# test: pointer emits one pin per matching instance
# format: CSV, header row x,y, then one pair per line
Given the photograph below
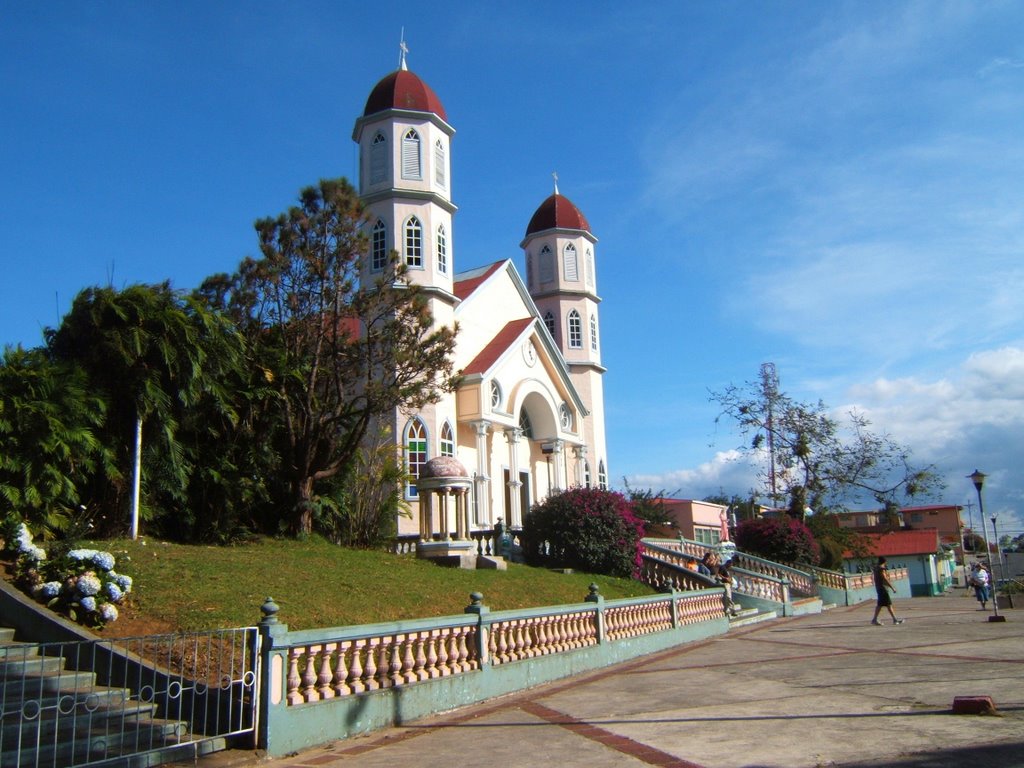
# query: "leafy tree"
x,y
648,505
833,539
372,495
150,353
783,539
817,460
590,529
48,444
338,353
1012,544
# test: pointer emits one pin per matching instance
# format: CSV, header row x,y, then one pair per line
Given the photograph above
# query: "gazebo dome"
x,y
403,90
557,212
443,467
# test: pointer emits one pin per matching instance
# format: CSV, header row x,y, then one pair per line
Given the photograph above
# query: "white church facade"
x,y
527,417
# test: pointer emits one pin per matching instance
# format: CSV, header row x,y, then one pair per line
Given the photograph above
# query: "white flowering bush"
x,y
81,584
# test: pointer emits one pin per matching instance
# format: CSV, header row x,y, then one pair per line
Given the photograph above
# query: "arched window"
x,y
549,321
575,330
447,440
547,265
565,416
413,243
602,476
593,332
442,250
415,443
525,425
589,267
379,159
586,473
378,246
495,395
439,167
572,270
411,155
529,271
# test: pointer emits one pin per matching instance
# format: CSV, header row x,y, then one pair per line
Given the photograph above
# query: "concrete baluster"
x,y
294,679
340,681
323,680
355,670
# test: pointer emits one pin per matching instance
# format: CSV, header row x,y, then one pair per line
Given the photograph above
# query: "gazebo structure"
x,y
444,485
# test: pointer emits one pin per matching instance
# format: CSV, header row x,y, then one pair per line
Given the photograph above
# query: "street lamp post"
x,y
978,478
1002,561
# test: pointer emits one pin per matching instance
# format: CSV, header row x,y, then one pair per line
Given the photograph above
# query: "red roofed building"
x,y
527,418
919,551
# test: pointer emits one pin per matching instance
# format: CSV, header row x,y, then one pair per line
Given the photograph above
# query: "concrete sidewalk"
x,y
821,690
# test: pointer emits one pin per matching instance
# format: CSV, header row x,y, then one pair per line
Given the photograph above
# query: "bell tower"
x,y
562,280
405,183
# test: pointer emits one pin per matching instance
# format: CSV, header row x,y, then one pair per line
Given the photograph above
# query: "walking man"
x,y
882,589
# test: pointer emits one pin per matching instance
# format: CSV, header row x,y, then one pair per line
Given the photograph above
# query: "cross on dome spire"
x,y
403,50
554,176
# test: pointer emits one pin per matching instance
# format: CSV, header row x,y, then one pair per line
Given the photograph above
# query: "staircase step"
x,y
100,744
24,662
745,618
65,700
66,721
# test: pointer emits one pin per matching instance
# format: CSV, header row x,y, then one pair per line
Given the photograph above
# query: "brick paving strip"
x,y
523,702
622,744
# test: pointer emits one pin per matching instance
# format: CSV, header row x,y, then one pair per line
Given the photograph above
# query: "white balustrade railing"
x,y
516,639
325,670
333,664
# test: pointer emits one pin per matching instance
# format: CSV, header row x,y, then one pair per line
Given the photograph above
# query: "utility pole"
x,y
770,390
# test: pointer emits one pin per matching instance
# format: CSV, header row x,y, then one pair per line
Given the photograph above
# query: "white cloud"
x,y
971,418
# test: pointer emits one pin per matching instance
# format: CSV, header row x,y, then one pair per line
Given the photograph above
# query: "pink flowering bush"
x,y
782,539
587,529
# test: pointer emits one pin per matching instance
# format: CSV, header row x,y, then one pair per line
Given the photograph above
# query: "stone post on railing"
x,y
476,605
598,599
273,666
787,606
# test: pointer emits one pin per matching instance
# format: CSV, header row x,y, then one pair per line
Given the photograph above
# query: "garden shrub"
x,y
782,539
588,529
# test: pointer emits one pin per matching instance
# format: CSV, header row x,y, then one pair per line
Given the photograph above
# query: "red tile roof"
x,y
403,90
496,348
463,288
921,542
557,212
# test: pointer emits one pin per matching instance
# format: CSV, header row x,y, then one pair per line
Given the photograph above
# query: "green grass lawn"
x,y
317,584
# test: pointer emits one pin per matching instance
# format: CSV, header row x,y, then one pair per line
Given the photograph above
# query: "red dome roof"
x,y
403,90
557,212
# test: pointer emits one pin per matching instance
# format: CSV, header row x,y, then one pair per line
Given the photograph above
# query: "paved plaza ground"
x,y
821,690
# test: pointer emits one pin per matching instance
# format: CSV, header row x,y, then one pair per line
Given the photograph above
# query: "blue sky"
x,y
834,187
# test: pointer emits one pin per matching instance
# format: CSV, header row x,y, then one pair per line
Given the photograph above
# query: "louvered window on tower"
x,y
547,265
572,271
411,155
379,159
439,169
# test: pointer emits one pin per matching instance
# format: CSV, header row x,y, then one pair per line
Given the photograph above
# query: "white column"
x,y
560,468
513,435
580,452
482,480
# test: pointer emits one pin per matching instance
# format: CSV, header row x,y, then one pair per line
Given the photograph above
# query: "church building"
x,y
527,418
